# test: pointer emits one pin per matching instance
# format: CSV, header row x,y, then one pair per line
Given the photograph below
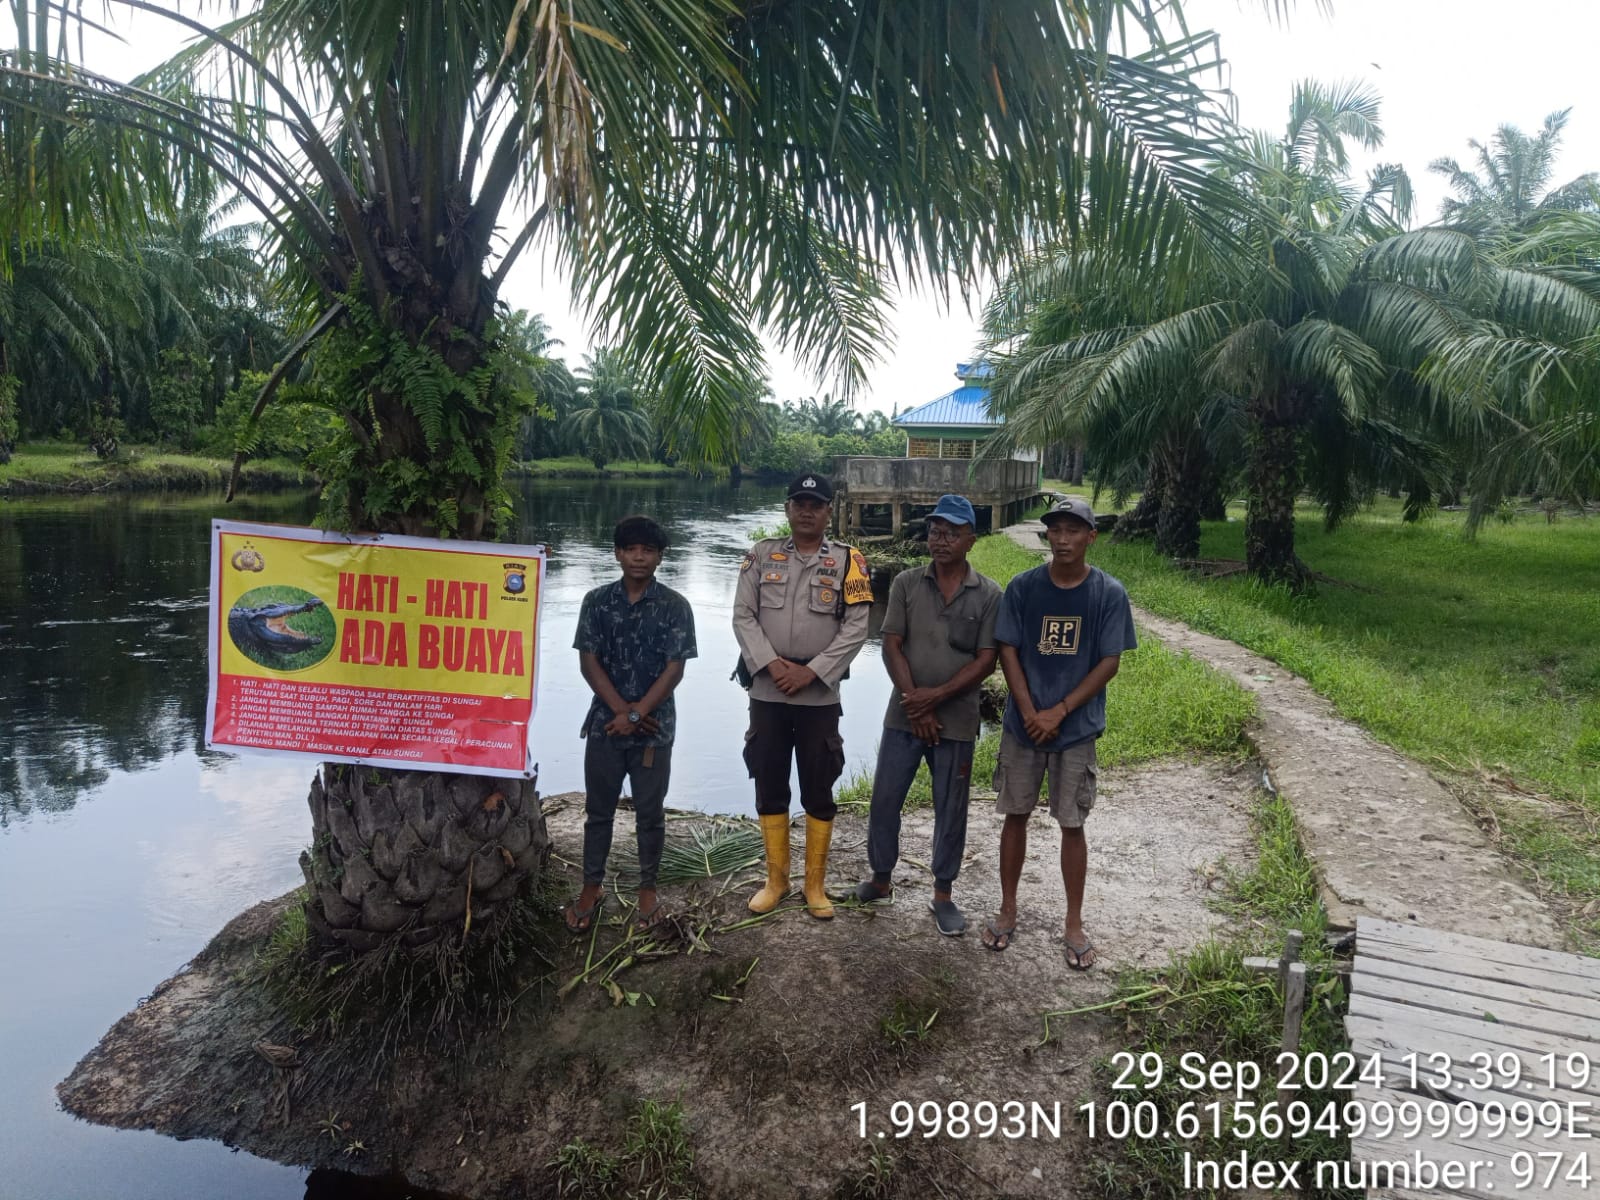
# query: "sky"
x,y
1448,71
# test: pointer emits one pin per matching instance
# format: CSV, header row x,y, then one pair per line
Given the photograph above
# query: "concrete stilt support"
x,y
896,512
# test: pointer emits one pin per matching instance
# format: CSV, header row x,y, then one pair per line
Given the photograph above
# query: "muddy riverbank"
x,y
769,1036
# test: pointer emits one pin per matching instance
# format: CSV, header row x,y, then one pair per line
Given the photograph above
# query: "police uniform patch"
x,y
773,577
749,561
826,596
857,580
778,556
830,562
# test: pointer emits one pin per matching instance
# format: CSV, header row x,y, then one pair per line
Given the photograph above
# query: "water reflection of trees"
x,y
103,620
587,510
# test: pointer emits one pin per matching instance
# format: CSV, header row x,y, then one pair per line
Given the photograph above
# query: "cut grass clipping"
x,y
1207,1002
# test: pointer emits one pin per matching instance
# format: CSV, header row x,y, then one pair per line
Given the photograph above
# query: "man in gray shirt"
x,y
939,646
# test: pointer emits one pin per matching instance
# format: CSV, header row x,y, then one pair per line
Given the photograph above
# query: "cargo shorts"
x,y
1020,773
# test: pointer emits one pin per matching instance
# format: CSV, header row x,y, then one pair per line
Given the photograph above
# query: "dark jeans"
x,y
950,764
606,761
809,732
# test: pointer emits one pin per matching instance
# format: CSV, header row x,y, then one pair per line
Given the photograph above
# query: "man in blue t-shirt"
x,y
1061,631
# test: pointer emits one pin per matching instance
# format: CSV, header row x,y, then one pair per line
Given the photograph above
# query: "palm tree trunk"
x,y
1274,485
1178,522
415,856
1143,519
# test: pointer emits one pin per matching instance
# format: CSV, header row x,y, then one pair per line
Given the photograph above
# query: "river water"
x,y
125,844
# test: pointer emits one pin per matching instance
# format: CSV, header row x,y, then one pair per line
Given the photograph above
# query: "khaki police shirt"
x,y
786,605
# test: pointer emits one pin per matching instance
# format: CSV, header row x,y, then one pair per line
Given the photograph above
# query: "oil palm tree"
x,y
65,317
1273,340
1346,349
701,168
827,416
1507,186
1515,389
607,422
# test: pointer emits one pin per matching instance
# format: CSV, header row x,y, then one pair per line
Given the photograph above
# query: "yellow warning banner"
x,y
395,651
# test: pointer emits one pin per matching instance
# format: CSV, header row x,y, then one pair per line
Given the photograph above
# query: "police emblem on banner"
x,y
247,558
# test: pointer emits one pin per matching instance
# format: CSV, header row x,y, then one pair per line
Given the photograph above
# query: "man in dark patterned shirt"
x,y
633,639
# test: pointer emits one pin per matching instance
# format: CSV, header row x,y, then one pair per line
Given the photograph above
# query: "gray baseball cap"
x,y
1071,506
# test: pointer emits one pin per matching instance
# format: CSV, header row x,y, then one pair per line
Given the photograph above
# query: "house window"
x,y
957,448
922,447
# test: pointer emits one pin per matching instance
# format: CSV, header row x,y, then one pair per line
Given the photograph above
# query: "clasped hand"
x,y
620,726
1043,726
790,676
921,706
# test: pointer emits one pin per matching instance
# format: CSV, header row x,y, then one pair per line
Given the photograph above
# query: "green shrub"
x,y
177,399
289,427
788,454
10,385
844,443
887,443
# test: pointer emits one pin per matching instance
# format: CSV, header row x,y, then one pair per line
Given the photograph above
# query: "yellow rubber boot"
x,y
775,833
818,835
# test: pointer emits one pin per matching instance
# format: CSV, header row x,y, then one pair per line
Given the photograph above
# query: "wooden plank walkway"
x,y
1494,1048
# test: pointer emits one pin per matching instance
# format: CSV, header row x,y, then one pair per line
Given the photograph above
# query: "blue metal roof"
x,y
967,405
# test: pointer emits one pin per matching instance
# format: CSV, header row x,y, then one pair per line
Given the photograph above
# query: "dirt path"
x,y
1386,837
766,1070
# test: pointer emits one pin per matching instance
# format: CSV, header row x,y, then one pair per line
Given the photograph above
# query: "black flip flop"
x,y
1009,933
586,916
1074,955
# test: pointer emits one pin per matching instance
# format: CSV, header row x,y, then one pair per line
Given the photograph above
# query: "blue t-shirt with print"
x,y
1061,634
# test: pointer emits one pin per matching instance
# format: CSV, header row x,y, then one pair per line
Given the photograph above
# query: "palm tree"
x,y
827,417
700,167
1507,188
607,422
1277,340
1514,390
65,314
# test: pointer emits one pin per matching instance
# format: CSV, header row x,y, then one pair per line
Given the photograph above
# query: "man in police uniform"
x,y
800,614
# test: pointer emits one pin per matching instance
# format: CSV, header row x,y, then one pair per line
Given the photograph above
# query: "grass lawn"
x,y
1159,705
1466,655
42,468
575,466
1480,659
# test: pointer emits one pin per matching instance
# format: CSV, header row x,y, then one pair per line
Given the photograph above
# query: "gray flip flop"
x,y
1076,954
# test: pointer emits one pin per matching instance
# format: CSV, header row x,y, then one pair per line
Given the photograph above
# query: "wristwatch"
x,y
633,716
